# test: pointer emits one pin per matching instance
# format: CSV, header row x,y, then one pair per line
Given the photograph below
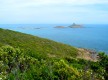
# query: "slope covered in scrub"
x,y
27,57
36,45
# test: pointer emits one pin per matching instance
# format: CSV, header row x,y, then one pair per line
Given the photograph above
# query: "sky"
x,y
53,11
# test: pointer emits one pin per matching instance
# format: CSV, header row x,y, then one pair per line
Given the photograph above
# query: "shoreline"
x,y
87,54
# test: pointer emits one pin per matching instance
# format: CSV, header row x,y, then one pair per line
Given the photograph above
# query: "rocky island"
x,y
59,27
75,26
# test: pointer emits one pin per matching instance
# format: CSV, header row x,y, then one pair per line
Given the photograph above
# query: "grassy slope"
x,y
36,45
27,67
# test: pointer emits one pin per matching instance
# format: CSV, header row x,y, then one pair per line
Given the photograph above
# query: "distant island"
x,y
59,27
75,26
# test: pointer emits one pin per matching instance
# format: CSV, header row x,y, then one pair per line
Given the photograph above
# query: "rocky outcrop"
x,y
75,26
59,27
87,54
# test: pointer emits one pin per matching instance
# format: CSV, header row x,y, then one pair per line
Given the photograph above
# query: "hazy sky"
x,y
53,11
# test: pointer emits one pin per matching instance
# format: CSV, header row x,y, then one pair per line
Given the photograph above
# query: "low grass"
x,y
33,45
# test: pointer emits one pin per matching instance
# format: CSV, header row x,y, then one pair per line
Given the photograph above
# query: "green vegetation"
x,y
33,45
26,57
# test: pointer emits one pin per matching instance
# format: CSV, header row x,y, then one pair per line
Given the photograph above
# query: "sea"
x,y
91,36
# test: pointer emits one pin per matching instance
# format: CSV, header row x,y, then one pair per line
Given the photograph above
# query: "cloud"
x,y
61,11
21,3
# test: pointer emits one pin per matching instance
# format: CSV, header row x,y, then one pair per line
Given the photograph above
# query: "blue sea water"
x,y
92,36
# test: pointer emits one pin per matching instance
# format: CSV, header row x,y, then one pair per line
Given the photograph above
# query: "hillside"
x,y
27,57
35,44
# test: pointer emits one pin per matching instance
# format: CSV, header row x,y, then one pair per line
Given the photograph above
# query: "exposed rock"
x,y
87,54
59,27
75,26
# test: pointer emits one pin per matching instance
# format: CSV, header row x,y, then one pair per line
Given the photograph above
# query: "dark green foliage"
x,y
103,61
16,65
65,72
14,62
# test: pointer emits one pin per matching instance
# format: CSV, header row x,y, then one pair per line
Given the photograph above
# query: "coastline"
x,y
87,54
